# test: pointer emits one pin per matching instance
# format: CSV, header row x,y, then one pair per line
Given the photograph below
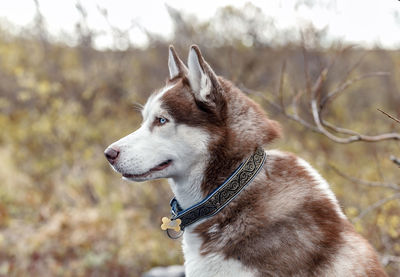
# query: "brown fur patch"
x,y
304,238
281,224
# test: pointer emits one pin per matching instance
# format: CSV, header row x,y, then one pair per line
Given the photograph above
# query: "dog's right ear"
x,y
203,81
175,65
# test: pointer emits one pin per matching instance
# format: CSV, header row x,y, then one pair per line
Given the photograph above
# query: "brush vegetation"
x,y
64,212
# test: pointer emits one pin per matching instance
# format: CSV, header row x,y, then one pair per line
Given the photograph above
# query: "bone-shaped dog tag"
x,y
171,224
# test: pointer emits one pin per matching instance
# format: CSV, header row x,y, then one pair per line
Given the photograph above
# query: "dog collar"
x,y
217,199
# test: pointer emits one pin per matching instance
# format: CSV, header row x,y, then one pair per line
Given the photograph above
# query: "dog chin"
x,y
131,179
151,176
157,172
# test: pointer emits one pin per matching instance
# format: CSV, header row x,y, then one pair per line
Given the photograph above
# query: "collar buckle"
x,y
175,207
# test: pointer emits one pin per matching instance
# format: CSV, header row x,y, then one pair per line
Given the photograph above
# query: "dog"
x,y
196,131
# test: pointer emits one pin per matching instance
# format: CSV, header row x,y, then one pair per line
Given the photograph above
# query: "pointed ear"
x,y
202,79
175,65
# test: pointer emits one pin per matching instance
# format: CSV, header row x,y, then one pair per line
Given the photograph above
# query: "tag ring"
x,y
174,235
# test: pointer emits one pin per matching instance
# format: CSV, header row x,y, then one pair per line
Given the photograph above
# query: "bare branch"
x,y
295,102
364,182
317,106
339,129
355,65
280,90
316,88
334,93
320,128
281,109
390,116
338,54
316,112
350,139
376,205
395,160
357,136
386,259
305,57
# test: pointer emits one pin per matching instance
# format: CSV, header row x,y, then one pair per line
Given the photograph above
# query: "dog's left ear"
x,y
202,79
175,65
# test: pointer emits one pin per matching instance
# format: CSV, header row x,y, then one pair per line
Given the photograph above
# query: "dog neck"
x,y
194,186
187,187
221,196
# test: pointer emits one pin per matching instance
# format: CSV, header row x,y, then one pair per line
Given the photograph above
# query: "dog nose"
x,y
111,154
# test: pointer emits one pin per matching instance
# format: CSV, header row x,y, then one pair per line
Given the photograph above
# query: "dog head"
x,y
188,123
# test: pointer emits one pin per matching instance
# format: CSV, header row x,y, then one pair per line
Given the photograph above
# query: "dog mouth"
x,y
159,167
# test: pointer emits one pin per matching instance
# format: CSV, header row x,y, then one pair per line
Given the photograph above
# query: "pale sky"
x,y
364,22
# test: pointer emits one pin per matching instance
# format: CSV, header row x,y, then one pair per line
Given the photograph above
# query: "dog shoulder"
x,y
291,175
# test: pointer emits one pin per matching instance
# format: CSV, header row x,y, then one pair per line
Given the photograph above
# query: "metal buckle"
x,y
174,207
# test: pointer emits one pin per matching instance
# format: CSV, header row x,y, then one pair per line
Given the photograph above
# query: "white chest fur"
x,y
213,264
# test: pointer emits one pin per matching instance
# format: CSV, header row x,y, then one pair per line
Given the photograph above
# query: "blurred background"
x,y
72,71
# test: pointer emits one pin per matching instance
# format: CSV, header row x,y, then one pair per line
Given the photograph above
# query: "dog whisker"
x,y
138,107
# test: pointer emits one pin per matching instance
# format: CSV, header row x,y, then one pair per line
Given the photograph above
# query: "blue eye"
x,y
162,120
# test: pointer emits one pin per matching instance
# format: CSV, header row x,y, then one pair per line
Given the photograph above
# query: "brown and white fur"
x,y
287,222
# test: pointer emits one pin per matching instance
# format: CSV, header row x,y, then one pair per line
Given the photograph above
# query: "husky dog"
x,y
196,131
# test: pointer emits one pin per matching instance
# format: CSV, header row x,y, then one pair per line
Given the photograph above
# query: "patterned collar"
x,y
217,199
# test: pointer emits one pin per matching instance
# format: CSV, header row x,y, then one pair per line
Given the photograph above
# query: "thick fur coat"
x,y
287,222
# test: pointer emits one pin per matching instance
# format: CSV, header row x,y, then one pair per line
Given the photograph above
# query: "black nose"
x,y
111,154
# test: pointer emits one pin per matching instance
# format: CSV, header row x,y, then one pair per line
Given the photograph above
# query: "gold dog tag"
x,y
171,224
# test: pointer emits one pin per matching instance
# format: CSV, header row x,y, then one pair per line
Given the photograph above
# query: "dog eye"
x,y
161,120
